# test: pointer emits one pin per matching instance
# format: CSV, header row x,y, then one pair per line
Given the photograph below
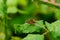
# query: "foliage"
x,y
29,28
14,15
34,37
54,29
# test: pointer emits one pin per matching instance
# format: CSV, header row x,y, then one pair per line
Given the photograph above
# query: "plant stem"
x,y
5,19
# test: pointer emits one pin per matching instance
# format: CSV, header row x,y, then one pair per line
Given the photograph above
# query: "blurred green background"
x,y
18,11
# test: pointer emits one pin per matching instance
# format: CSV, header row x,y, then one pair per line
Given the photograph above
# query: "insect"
x,y
30,21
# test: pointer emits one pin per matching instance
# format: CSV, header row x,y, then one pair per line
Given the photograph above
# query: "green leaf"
x,y
29,28
34,37
49,26
54,29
